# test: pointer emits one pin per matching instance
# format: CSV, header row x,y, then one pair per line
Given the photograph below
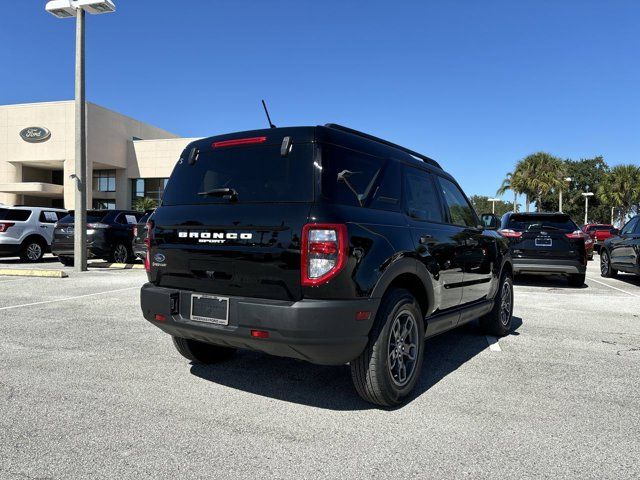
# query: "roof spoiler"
x,y
424,158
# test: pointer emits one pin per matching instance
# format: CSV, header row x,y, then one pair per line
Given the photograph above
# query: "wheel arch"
x,y
35,236
412,276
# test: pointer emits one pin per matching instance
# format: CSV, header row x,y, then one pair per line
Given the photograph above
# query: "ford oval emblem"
x,y
158,257
35,134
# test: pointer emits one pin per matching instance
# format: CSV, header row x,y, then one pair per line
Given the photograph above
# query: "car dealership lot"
x,y
90,389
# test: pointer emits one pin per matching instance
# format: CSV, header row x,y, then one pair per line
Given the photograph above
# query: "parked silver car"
x,y
27,231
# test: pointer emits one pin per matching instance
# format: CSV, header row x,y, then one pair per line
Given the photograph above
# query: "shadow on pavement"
x,y
545,281
330,387
628,278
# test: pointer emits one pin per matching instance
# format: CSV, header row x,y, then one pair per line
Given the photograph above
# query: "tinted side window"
x,y
421,196
637,229
362,173
387,194
48,217
630,226
15,215
460,211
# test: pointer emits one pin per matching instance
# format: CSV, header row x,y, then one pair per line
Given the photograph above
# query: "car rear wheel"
x,y
120,254
606,270
32,251
201,352
498,321
577,279
390,365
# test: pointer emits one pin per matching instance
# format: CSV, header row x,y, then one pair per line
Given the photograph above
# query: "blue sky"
x,y
475,84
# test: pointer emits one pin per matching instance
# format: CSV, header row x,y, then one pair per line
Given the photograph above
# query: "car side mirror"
x,y
489,221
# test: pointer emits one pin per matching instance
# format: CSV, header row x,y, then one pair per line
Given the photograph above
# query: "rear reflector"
x,y
259,334
239,141
362,315
160,318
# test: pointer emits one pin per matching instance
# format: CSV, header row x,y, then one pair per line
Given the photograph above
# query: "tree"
x,y
482,205
620,189
541,174
144,203
586,175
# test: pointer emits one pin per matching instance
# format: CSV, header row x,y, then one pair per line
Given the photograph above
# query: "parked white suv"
x,y
27,231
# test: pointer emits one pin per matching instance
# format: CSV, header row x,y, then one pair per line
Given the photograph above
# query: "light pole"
x,y
566,179
493,204
68,9
586,196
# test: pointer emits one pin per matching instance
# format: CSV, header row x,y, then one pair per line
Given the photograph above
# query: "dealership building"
x,y
126,158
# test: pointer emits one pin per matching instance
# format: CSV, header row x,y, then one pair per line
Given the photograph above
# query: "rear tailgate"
x,y
550,244
231,218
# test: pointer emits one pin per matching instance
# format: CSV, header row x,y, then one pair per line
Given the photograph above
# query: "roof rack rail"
x,y
413,153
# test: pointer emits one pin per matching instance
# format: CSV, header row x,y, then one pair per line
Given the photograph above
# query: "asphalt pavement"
x,y
89,389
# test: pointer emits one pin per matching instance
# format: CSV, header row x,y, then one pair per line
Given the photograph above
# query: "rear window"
x,y
258,175
606,228
93,216
14,215
521,223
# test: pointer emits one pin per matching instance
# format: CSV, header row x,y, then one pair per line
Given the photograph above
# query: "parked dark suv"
x,y
323,244
547,244
622,252
109,235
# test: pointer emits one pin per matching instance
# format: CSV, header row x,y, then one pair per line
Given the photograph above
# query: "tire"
x,y
498,321
378,380
32,250
606,269
121,253
577,279
200,352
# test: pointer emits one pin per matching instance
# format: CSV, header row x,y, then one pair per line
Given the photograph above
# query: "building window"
x,y
104,180
99,204
148,187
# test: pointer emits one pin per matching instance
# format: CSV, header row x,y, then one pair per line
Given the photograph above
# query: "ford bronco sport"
x,y
323,244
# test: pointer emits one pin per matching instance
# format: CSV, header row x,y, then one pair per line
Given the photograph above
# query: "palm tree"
x,y
541,173
143,204
513,182
620,189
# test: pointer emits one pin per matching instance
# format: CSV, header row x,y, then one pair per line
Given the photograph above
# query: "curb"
x,y
8,272
117,266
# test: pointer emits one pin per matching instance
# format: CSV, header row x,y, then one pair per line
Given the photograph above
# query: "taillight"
x,y
575,235
147,242
507,232
5,226
135,231
323,253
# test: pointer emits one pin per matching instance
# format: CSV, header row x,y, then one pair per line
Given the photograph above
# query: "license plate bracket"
x,y
210,309
543,242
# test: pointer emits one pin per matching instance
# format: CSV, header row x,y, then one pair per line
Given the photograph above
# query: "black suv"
x,y
622,252
323,244
109,235
547,244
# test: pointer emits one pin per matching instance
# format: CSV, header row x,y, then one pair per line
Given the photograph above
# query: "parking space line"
x,y
67,298
611,286
494,346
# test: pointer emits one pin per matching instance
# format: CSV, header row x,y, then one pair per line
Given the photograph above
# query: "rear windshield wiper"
x,y
221,192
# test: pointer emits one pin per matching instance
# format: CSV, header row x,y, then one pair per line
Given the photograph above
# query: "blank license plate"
x,y
543,242
210,309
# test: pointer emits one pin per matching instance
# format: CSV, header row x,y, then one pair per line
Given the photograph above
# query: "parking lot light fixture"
x,y
68,9
567,180
586,196
493,204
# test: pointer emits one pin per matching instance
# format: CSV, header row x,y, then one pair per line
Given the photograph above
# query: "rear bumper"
x,y
544,266
324,332
96,248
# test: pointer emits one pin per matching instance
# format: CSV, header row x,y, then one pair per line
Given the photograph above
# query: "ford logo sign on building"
x,y
35,134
